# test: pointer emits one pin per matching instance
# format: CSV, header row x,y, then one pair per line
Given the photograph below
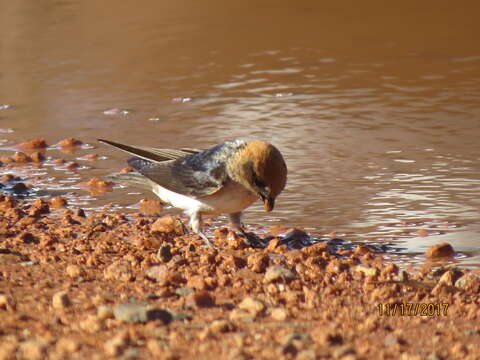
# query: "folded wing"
x,y
187,171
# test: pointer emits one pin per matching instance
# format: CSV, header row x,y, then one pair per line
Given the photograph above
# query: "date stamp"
x,y
413,309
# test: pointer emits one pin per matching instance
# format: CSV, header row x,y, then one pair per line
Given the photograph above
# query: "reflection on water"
x,y
375,109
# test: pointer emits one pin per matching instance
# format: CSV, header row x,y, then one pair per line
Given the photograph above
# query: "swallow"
x,y
225,179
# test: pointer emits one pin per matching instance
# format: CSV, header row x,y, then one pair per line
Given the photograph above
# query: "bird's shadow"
x,y
255,241
299,239
295,239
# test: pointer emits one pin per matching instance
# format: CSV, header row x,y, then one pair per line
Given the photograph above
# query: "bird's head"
x,y
260,167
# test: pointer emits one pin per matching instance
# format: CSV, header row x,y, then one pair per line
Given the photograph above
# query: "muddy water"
x,y
376,109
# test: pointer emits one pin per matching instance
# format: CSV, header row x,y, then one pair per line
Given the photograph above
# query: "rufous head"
x,y
261,168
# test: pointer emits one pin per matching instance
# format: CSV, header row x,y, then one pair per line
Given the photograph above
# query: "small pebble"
x,y
448,278
167,224
91,324
158,273
184,291
58,202
422,232
10,258
220,326
252,305
73,271
67,346
119,270
164,254
29,263
151,207
241,315
201,299
133,313
278,272
37,157
33,350
72,166
105,312
367,271
342,351
468,281
155,348
96,183
117,345
440,250
21,157
279,314
403,276
33,144
61,300
6,302
90,157
362,250
68,142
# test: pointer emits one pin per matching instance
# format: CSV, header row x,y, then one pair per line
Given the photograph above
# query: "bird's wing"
x,y
151,154
181,177
188,172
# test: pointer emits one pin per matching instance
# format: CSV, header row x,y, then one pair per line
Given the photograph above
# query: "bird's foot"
x,y
237,227
252,239
208,243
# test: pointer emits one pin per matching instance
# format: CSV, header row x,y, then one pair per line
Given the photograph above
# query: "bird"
x,y
224,179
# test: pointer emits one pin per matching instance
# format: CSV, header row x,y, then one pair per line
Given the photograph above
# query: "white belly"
x,y
232,198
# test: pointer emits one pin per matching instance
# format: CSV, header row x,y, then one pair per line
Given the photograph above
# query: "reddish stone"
x,y
440,250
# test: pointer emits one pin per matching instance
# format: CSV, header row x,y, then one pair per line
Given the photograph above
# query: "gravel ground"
x,y
106,286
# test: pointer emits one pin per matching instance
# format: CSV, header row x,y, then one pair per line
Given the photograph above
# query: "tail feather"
x,y
151,154
133,178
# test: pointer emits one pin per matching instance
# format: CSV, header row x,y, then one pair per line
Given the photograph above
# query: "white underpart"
x,y
232,198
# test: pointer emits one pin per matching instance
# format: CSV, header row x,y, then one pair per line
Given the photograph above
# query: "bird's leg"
x,y
236,222
207,242
196,225
237,225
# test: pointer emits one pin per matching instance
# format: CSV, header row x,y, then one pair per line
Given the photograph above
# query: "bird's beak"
x,y
268,204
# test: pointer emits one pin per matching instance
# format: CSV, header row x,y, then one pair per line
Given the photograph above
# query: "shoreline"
x,y
102,286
